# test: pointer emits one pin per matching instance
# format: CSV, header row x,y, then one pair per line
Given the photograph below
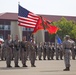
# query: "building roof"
x,y
9,16
14,17
58,17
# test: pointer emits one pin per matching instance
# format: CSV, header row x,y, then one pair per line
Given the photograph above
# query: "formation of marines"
x,y
28,50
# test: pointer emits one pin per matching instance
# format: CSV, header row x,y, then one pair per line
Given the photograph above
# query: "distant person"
x,y
67,52
23,51
8,44
16,50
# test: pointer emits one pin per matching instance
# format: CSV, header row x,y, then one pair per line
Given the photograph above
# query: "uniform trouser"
x,y
0,52
3,53
16,57
57,54
23,57
52,54
61,54
73,54
8,60
67,55
44,54
32,58
39,54
8,56
48,54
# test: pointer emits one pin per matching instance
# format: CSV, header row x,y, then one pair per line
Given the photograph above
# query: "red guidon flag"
x,y
50,28
39,26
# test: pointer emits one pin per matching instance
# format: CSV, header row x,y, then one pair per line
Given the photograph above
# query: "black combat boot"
x,y
9,66
17,66
67,69
25,65
32,65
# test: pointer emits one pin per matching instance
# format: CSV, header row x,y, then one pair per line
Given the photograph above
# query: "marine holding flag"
x,y
59,48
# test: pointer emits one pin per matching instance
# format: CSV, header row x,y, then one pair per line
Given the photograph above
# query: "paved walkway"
x,y
47,67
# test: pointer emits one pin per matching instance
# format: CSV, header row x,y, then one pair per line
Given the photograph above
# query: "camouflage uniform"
x,y
44,51
0,50
72,49
67,52
16,51
48,51
32,54
3,52
8,45
36,48
23,52
39,51
52,51
75,50
57,52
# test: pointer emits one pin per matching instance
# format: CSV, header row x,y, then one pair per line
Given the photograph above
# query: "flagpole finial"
x,y
19,3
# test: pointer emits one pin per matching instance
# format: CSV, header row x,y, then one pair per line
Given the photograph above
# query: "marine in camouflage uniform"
x,y
8,44
49,51
23,52
32,53
3,52
61,52
67,52
0,48
40,51
16,51
52,51
72,49
57,52
44,51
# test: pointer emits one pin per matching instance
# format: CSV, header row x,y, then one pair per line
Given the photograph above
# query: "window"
x,y
1,27
1,36
31,29
27,29
23,29
7,27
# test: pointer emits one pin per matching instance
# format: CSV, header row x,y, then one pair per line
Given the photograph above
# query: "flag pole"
x,y
42,22
56,41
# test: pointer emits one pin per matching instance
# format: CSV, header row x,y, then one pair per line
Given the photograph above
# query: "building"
x,y
7,20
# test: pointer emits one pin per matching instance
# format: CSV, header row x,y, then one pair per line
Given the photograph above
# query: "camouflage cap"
x,y
67,36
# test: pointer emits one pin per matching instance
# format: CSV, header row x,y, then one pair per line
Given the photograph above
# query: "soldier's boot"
x,y
32,65
49,59
44,59
73,58
16,65
9,66
67,69
40,59
25,65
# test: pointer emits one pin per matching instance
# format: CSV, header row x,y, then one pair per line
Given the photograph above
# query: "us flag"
x,y
26,18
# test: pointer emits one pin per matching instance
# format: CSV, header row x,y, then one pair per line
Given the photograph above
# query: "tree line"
x,y
67,27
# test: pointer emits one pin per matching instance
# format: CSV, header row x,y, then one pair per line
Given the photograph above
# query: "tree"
x,y
66,28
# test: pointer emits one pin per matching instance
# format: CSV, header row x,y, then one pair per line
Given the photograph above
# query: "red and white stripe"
x,y
30,21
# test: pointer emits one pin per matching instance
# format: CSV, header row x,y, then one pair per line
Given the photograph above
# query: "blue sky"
x,y
48,7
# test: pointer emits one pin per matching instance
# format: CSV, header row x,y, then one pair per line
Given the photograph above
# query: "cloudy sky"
x,y
48,7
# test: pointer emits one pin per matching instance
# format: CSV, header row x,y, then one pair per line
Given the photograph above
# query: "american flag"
x,y
26,18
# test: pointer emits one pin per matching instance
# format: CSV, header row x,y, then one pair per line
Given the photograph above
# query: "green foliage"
x,y
66,27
